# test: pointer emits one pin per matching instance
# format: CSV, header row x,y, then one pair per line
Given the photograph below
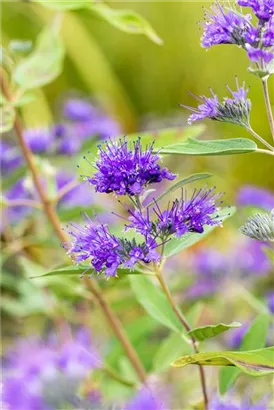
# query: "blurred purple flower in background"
x,y
10,158
146,399
250,195
14,214
234,338
270,302
249,258
211,268
229,403
39,140
44,376
77,196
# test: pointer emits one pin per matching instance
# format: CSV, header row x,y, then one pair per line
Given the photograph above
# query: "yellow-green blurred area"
x,y
134,78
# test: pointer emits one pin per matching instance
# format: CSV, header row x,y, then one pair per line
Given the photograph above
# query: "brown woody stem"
x,y
52,216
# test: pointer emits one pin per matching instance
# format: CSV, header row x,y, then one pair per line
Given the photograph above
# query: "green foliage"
x,y
176,343
45,62
206,332
252,362
78,270
211,147
154,302
174,134
63,5
7,117
254,338
176,245
180,184
126,20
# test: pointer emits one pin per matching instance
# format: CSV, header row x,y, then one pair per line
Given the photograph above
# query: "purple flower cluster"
x,y
250,195
127,170
145,399
226,25
11,160
43,376
81,121
229,403
235,110
107,252
181,217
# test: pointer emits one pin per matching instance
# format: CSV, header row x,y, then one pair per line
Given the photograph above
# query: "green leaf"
x,y
126,20
176,245
24,99
45,63
211,147
63,5
161,137
181,183
254,338
154,302
9,180
206,332
175,343
253,362
80,269
7,118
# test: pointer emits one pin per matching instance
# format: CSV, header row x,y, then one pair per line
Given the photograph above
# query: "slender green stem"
x,y
268,106
111,373
53,218
187,327
264,151
259,138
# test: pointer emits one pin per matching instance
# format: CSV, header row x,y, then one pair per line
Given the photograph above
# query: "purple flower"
x,y
77,196
39,140
145,399
259,55
270,302
249,258
10,158
68,142
250,195
17,191
235,110
226,27
268,33
235,336
181,217
127,171
42,376
76,109
107,252
263,9
230,403
211,267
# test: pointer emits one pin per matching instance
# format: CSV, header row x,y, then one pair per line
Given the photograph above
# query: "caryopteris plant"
x,y
153,230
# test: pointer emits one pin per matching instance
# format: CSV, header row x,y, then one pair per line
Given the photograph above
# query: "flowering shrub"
x,y
169,301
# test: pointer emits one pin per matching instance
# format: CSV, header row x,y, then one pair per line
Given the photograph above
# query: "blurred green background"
x,y
133,78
